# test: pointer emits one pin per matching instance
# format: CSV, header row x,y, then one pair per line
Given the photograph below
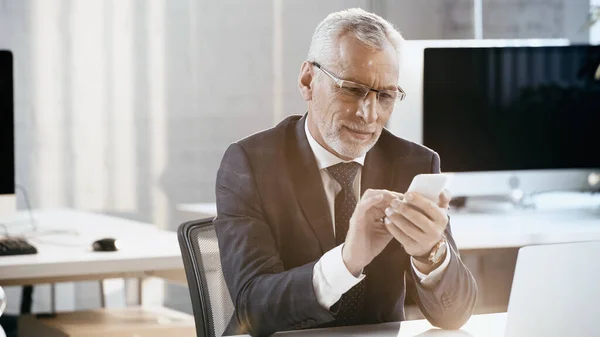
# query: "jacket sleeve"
x,y
448,304
266,297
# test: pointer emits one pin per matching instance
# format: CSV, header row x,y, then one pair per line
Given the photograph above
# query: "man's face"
x,y
344,125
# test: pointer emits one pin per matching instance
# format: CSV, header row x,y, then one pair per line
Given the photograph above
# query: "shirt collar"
x,y
323,156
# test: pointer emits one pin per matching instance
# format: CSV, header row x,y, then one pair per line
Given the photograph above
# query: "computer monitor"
x,y
504,115
7,143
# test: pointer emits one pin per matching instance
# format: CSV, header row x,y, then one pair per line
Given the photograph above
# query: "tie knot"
x,y
344,173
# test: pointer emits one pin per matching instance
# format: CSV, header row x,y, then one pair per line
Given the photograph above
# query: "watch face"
x,y
439,251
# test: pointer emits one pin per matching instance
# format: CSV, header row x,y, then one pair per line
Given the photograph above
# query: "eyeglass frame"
x,y
340,82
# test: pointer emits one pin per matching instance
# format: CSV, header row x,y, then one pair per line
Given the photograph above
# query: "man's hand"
x,y
418,223
367,235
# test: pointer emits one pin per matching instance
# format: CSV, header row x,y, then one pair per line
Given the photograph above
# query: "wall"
x,y
595,29
125,107
500,19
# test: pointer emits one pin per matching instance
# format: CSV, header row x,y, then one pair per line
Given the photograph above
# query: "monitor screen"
x,y
7,161
512,108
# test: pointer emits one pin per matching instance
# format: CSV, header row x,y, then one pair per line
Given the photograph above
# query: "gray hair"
x,y
369,28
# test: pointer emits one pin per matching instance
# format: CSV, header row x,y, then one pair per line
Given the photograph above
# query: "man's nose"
x,y
368,108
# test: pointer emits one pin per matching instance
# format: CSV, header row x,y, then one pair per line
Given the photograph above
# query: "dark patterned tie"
x,y
345,201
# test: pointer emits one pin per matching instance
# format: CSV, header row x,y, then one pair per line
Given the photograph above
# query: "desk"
x,y
489,243
502,230
488,325
66,257
482,238
523,228
203,209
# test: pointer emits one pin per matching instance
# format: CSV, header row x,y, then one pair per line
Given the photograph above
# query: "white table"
x,y
555,221
202,209
489,325
559,218
67,255
522,228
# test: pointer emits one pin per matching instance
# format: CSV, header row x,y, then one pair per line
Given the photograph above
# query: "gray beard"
x,y
346,149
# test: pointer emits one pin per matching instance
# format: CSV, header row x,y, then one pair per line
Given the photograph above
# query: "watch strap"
x,y
428,258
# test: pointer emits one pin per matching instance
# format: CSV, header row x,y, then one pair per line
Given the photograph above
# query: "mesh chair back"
x,y
209,294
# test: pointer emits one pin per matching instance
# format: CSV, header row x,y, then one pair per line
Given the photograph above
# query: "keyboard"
x,y
16,246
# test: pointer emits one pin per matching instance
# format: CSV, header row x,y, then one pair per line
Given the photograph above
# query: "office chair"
x,y
210,297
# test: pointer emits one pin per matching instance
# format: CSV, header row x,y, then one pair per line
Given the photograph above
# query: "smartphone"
x,y
429,185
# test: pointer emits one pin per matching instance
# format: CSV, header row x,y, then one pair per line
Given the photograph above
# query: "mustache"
x,y
360,127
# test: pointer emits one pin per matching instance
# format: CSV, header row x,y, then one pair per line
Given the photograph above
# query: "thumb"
x,y
444,199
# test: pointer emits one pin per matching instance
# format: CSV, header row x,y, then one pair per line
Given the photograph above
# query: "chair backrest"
x,y
210,297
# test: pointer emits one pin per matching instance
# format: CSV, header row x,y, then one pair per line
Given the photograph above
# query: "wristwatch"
x,y
435,255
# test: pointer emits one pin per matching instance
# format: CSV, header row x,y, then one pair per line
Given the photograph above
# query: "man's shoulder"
x,y
400,147
270,139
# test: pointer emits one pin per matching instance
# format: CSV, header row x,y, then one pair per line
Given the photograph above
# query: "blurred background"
x,y
125,107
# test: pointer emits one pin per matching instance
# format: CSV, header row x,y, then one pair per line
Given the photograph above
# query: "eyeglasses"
x,y
357,91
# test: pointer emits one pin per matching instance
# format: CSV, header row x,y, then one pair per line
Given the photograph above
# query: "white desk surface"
x,y
68,255
203,208
522,228
488,325
563,222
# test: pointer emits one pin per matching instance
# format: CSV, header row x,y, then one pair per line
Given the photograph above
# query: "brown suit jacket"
x,y
274,224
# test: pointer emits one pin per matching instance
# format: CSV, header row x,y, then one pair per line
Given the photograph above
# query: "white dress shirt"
x,y
331,278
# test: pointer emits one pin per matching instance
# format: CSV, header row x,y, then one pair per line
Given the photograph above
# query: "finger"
x,y
372,207
398,195
376,214
372,200
414,217
427,207
407,227
444,199
387,195
398,234
383,204
366,203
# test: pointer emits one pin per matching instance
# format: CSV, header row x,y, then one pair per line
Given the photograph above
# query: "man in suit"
x,y
313,230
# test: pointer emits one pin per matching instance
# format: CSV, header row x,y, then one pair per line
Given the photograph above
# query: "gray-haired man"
x,y
311,227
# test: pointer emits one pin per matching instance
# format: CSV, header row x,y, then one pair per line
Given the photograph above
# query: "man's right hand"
x,y
367,235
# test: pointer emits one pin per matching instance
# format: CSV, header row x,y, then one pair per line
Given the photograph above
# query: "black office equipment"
x,y
7,156
513,108
105,245
16,246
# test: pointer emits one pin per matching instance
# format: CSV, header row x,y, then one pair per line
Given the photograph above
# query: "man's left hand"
x,y
418,223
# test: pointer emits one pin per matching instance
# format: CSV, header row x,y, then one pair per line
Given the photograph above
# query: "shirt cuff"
x,y
435,275
331,278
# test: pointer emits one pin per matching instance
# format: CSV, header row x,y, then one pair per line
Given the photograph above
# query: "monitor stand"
x,y
8,205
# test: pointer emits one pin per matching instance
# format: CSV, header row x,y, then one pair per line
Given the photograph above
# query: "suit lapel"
x,y
308,186
378,171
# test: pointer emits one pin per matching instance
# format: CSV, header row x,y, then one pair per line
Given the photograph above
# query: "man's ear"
x,y
305,81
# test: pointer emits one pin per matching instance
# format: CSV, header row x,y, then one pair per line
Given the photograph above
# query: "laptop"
x,y
556,291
